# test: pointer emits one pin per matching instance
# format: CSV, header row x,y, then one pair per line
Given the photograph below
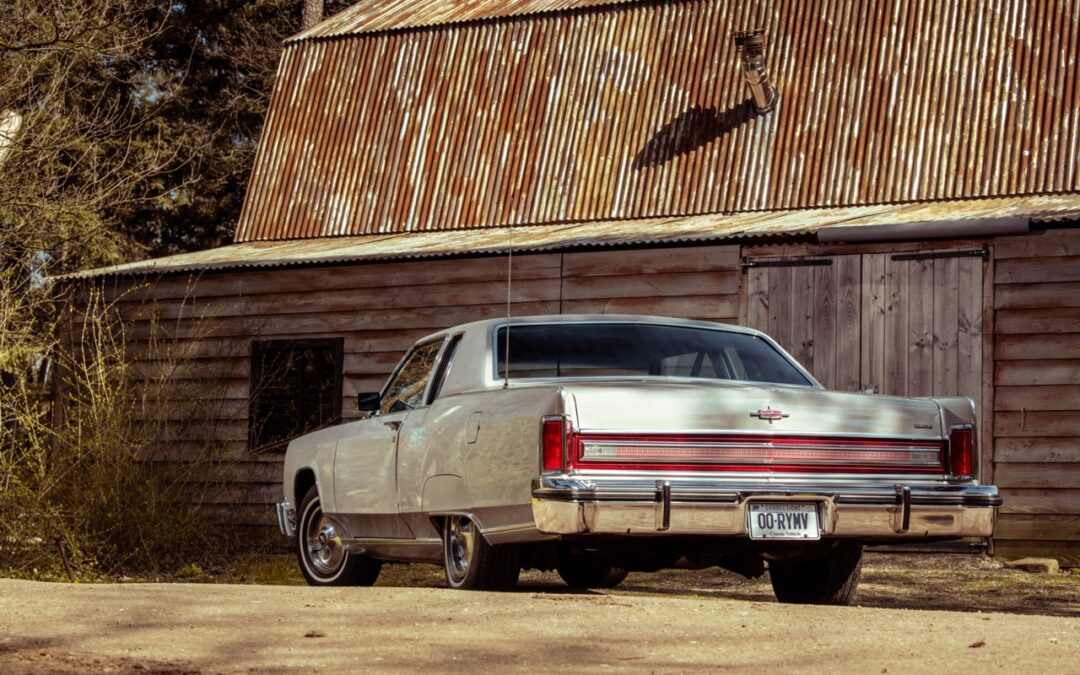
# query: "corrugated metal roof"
x,y
639,111
370,16
655,231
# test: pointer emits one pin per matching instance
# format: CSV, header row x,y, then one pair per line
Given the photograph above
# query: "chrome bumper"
x,y
604,505
286,518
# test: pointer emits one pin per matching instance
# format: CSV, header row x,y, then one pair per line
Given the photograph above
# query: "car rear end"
x,y
759,463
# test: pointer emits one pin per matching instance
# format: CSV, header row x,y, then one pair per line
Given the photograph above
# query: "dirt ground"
x,y
913,614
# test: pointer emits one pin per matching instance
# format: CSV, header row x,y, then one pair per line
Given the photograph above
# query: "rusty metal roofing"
x,y
370,16
644,232
639,111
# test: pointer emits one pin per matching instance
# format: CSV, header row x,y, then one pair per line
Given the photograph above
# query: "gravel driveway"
x,y
673,623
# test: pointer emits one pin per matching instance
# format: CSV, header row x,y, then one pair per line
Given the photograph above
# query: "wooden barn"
x,y
891,189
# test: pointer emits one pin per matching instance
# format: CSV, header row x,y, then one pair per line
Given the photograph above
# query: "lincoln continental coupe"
x,y
599,445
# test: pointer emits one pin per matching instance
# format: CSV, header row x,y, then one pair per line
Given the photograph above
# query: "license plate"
x,y
782,520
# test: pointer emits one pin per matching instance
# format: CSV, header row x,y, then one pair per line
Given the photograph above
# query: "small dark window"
x,y
295,388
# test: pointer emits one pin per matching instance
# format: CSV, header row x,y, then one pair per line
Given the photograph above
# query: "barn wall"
x,y
207,324
1037,393
198,330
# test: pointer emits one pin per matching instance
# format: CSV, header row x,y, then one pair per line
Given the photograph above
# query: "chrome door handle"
x,y
393,424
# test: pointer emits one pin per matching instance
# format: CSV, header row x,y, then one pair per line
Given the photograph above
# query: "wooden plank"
x,y
651,261
1050,397
1037,424
723,308
242,515
802,316
780,300
894,381
1037,321
1039,527
969,334
357,276
1049,243
335,323
757,298
1037,270
1039,476
921,328
1019,500
1030,296
872,370
946,329
802,250
1054,449
824,314
1062,371
1067,553
1057,346
246,493
848,322
650,285
354,385
346,300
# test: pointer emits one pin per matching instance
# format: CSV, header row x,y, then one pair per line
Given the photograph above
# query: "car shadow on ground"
x,y
954,583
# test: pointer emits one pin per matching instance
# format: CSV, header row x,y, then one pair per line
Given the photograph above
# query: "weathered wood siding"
x,y
200,329
1037,393
197,331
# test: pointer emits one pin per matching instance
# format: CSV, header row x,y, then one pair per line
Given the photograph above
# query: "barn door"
x,y
901,324
812,307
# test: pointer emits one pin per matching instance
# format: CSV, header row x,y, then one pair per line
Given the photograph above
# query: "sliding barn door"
x,y
900,324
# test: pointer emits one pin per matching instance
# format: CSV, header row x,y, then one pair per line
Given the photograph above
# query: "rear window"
x,y
632,349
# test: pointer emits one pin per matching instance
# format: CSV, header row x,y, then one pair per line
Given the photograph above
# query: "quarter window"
x,y
295,388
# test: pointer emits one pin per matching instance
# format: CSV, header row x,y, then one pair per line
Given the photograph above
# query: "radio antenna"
x,y
509,286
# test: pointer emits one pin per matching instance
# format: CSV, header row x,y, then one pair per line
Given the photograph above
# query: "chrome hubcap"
x,y
321,540
461,537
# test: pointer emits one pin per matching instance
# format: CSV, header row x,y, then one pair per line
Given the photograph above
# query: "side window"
x,y
295,388
444,368
406,391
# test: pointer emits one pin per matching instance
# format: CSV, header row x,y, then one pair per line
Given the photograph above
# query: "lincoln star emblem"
x,y
769,414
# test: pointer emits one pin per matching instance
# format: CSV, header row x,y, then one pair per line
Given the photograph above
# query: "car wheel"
x,y
828,580
584,573
323,558
473,564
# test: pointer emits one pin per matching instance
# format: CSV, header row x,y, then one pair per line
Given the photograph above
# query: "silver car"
x,y
599,445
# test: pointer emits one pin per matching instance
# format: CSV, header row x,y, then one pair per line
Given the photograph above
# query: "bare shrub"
x,y
102,452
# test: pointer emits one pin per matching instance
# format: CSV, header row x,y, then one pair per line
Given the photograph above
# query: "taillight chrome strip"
x,y
758,452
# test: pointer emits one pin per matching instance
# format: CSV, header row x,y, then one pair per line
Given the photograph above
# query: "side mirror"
x,y
368,402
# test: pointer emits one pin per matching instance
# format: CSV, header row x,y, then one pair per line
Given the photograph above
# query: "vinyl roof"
x,y
569,236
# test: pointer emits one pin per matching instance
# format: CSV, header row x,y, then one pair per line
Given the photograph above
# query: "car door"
x,y
365,460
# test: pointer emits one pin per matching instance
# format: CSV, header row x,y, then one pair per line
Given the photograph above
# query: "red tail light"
x,y
551,440
962,451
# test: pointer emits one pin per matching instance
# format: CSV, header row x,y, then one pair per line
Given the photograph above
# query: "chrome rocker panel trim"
x,y
571,505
